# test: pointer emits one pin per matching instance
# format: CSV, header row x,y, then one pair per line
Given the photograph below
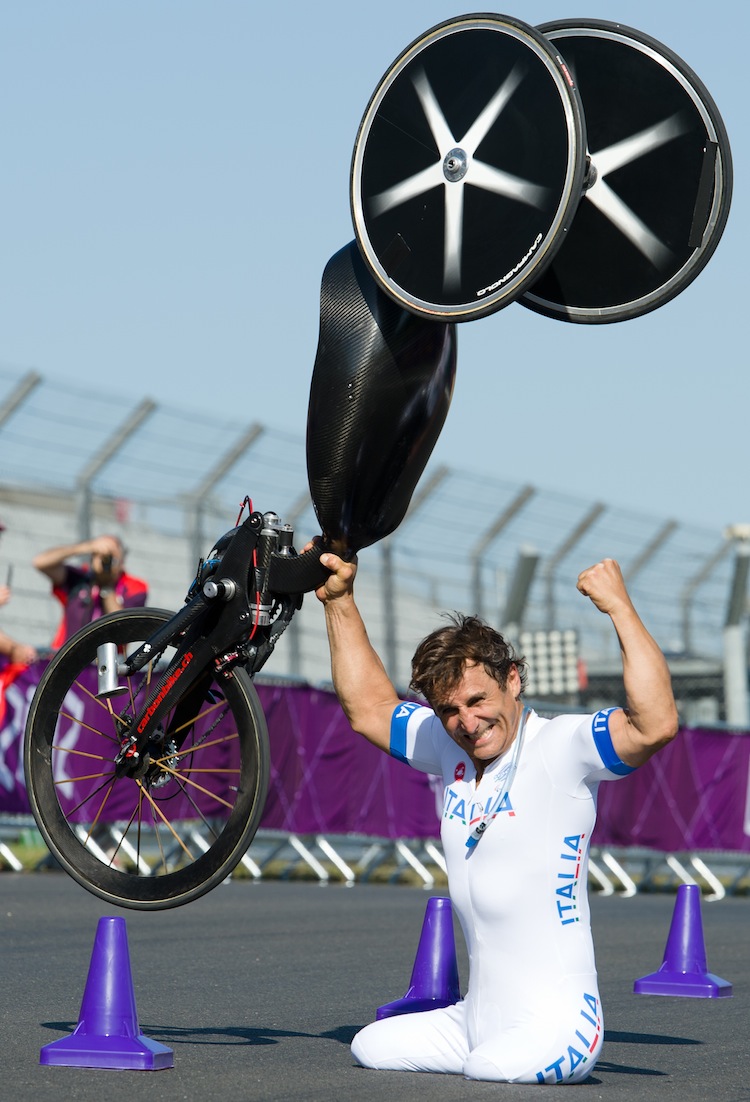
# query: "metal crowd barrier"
x,y
358,859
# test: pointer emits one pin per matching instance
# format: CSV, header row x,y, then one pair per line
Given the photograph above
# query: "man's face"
x,y
479,716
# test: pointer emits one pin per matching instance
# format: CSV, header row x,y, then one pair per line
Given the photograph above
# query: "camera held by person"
x,y
93,588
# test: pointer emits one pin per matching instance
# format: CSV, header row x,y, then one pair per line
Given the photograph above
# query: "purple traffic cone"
x,y
434,978
684,970
108,1034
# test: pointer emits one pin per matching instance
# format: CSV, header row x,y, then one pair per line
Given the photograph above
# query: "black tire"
x,y
170,837
661,185
468,167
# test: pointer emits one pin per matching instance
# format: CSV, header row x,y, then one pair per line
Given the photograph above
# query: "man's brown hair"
x,y
441,658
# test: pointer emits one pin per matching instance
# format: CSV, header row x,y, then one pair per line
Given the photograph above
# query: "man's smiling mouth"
x,y
476,739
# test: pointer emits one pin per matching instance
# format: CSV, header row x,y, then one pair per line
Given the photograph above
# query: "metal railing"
x,y
169,481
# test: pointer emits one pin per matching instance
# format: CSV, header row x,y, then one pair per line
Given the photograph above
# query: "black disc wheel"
x,y
659,186
467,167
164,834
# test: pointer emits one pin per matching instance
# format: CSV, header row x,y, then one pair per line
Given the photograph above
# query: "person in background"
x,y
93,589
10,648
15,652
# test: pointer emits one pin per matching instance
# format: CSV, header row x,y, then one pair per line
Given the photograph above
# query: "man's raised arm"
x,y
362,685
650,718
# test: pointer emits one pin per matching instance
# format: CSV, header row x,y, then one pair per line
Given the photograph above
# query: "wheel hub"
x,y
455,165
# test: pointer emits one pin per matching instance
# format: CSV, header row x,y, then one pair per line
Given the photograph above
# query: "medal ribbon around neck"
x,y
478,832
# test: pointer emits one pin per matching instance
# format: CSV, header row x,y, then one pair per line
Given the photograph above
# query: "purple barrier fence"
x,y
327,780
692,796
323,778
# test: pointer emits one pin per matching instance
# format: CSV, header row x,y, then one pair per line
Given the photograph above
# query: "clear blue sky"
x,y
175,177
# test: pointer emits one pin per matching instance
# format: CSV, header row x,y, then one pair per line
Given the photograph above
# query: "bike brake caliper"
x,y
128,751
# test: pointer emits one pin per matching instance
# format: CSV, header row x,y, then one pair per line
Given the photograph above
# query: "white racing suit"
x,y
531,1013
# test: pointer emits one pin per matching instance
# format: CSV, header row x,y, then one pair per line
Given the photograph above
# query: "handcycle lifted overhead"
x,y
147,755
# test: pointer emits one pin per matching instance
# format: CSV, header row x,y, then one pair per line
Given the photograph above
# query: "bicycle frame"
x,y
241,601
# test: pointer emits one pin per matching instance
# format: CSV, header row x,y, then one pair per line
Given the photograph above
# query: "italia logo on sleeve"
x,y
405,709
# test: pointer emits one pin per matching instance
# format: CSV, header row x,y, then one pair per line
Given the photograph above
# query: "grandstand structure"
x,y
169,482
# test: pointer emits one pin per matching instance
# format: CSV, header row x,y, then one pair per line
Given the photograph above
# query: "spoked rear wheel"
x,y
164,838
659,186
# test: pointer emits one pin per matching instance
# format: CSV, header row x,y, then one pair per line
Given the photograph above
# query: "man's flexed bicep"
x,y
649,720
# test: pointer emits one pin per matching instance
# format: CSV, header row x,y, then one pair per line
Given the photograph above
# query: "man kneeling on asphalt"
x,y
519,805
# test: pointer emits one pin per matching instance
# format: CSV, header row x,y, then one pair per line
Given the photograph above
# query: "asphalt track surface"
x,y
258,989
